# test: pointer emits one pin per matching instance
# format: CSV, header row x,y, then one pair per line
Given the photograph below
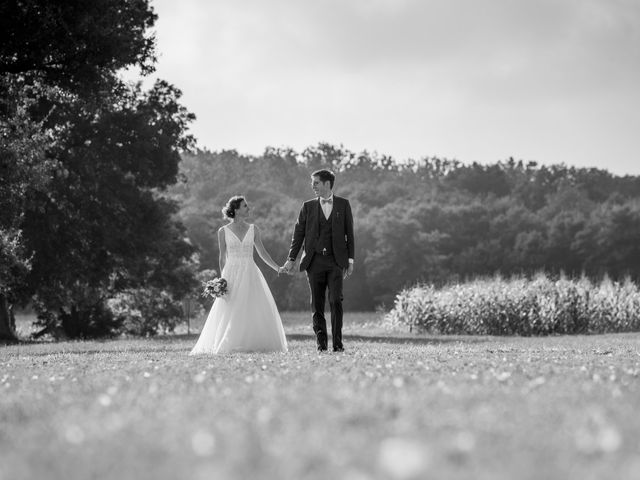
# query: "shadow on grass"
x,y
374,338
93,351
396,339
186,341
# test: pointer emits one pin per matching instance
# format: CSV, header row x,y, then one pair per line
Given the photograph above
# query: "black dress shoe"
x,y
322,349
338,349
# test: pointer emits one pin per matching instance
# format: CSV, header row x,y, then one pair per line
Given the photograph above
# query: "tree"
x,y
75,44
100,222
104,226
608,243
25,170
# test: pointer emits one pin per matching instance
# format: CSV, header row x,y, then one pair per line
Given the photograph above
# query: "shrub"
x,y
146,311
520,306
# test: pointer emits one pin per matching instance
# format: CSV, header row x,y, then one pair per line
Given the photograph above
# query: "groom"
x,y
324,231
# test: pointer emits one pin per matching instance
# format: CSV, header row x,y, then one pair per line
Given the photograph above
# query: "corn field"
x,y
520,306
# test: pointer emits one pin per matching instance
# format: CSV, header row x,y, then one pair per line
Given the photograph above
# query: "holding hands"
x,y
287,267
289,264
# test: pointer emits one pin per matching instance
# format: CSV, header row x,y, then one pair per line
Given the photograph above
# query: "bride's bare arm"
x,y
264,255
222,243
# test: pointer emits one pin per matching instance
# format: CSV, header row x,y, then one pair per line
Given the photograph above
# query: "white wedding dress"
x,y
246,319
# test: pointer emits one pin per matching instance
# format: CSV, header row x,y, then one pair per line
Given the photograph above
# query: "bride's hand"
x,y
284,270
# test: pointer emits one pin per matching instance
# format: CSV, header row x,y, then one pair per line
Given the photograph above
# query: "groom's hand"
x,y
348,271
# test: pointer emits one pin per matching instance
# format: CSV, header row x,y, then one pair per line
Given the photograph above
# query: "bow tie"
x,y
329,201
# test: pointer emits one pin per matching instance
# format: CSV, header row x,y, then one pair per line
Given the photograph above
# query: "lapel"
x,y
335,212
314,218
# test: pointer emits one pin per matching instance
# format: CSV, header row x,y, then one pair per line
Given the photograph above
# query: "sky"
x,y
551,81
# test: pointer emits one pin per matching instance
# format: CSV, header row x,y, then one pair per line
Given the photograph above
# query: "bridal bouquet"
x,y
215,288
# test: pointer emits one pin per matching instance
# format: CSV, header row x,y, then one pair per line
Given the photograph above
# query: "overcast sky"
x,y
477,80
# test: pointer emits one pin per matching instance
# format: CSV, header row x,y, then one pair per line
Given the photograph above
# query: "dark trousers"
x,y
323,273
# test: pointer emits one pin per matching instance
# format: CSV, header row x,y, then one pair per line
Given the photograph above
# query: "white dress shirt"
x,y
327,207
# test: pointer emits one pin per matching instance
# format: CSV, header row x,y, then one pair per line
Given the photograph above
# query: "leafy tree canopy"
x,y
88,159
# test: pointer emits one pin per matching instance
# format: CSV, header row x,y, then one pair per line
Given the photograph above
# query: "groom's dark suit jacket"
x,y
306,232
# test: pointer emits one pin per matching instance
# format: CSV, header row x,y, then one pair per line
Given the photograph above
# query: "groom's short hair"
x,y
325,176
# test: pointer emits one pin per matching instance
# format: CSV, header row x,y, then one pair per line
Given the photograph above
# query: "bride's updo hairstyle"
x,y
229,210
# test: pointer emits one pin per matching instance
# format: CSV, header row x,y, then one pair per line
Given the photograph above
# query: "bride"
x,y
246,318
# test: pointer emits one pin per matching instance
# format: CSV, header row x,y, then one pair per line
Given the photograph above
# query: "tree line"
x,y
432,220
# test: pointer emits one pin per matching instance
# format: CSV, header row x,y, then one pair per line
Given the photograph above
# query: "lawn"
x,y
395,405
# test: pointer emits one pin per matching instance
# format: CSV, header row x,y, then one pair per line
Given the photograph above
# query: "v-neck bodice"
x,y
239,249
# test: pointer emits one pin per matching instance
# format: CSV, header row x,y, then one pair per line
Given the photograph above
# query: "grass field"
x,y
394,406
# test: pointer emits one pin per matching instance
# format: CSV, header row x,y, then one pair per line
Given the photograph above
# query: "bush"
x,y
520,306
146,311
